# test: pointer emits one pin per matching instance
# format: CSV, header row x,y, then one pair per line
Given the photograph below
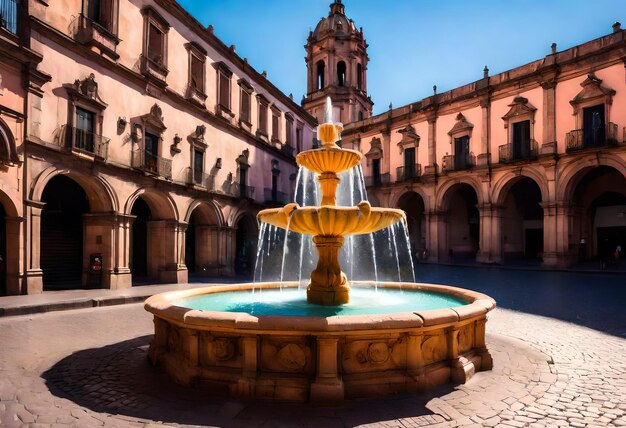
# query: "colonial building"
x,y
528,163
134,146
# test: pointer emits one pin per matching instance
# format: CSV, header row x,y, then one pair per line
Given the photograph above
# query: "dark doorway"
x,y
593,126
190,244
461,152
376,180
521,140
62,234
246,243
3,252
413,205
139,244
533,248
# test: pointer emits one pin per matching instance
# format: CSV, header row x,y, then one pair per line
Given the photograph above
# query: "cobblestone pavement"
x,y
88,367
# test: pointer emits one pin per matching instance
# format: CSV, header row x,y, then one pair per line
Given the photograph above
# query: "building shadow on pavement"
x,y
119,380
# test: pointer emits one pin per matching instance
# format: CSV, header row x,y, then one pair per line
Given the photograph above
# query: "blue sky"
x,y
413,44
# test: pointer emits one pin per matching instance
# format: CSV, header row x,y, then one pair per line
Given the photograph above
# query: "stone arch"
x,y
246,233
413,203
208,209
162,205
10,253
8,151
397,195
447,189
574,171
502,186
100,194
203,239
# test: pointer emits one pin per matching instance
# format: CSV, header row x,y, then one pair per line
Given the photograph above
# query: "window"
x,y
97,26
521,139
84,130
85,117
263,106
461,152
341,73
320,75
359,77
101,12
156,44
592,113
593,126
519,124
198,166
275,125
154,58
299,130
196,91
409,162
245,95
376,180
151,152
223,107
288,130
8,15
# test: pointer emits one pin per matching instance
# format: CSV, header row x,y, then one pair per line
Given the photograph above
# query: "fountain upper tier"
x,y
330,158
331,221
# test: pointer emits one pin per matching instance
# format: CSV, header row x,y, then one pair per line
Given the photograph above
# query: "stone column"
x,y
327,387
484,157
108,235
34,274
228,250
490,234
549,234
431,168
166,241
386,160
548,136
14,255
437,236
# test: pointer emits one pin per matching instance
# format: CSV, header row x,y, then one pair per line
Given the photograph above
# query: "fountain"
x,y
397,336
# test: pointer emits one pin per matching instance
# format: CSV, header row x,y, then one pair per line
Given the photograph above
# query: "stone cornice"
x,y
141,82
207,35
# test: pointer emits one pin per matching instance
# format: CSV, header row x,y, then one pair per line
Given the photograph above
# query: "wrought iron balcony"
x,y
84,141
99,34
154,69
199,178
579,140
458,163
516,152
241,190
408,172
377,180
152,164
8,15
272,195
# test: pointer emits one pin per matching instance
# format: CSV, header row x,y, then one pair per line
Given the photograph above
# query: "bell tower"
x,y
336,58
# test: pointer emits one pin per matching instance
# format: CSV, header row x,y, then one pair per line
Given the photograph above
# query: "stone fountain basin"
x,y
320,359
329,159
331,220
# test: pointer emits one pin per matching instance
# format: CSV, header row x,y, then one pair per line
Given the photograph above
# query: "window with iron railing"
x,y
578,139
84,141
151,163
522,151
408,172
8,15
457,163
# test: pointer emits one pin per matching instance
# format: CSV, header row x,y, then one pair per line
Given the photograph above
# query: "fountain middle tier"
x,y
331,220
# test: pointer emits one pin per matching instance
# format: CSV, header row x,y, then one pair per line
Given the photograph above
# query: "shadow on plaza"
x,y
591,299
118,379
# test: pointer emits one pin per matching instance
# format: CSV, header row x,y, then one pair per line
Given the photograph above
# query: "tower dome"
x,y
336,64
336,23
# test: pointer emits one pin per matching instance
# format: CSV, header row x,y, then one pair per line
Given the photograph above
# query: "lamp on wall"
x,y
218,163
121,123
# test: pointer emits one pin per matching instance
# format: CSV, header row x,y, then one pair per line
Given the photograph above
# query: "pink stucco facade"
x,y
130,151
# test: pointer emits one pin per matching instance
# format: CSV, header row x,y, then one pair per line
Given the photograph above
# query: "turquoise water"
x,y
292,302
